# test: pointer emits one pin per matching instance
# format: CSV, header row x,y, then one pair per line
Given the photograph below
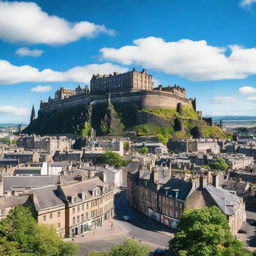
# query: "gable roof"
x,y
46,197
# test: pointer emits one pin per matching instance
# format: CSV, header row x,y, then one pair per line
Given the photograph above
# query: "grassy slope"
x,y
189,119
170,113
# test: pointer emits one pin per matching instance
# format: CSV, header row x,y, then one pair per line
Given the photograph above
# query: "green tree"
x,y
21,235
126,145
111,158
143,150
219,164
127,248
205,232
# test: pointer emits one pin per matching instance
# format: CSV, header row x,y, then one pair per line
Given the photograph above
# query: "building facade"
x,y
160,197
132,80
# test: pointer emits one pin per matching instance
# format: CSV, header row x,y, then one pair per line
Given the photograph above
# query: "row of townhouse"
x,y
71,208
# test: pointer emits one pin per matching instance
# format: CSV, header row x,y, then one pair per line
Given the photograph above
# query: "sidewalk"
x,y
109,230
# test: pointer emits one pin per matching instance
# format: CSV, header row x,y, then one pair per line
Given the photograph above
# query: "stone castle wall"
x,y
145,99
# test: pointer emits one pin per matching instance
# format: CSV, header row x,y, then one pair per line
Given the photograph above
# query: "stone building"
x,y
63,93
132,80
207,195
48,208
154,193
88,204
72,208
238,161
8,202
176,90
23,157
47,143
194,145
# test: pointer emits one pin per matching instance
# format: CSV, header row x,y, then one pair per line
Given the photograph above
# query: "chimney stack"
x,y
155,175
215,180
202,182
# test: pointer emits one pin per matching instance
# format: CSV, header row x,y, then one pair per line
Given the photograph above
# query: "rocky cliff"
x,y
119,118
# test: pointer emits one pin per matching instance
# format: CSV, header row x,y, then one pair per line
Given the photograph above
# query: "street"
x,y
250,237
115,231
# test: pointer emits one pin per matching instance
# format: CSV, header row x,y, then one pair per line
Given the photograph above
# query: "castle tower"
x,y
33,114
194,103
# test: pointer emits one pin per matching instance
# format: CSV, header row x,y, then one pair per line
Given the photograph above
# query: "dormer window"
x,y
96,192
82,195
72,199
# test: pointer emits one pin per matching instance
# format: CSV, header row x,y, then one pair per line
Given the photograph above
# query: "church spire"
x,y
33,114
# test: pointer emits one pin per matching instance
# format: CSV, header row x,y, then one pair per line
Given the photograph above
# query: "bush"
x,y
111,158
143,150
127,248
219,164
20,235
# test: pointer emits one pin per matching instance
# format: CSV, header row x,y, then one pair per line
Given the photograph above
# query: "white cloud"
x,y
26,22
194,60
251,98
247,90
11,74
41,88
246,3
16,111
157,82
223,99
24,51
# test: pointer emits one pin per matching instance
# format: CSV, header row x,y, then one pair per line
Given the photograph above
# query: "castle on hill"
x,y
132,86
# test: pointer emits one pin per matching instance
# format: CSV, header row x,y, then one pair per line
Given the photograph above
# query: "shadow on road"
x,y
137,219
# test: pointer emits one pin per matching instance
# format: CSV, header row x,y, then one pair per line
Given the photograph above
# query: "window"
x,y
50,215
78,208
83,207
82,217
73,210
74,220
59,225
2,211
78,218
86,216
58,214
44,217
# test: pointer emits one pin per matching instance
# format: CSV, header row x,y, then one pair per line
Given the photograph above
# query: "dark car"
x,y
241,231
159,251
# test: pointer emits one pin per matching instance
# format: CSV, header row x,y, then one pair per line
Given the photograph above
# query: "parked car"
x,y
241,231
159,251
126,218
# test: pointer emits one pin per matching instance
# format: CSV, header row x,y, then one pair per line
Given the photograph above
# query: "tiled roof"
x,y
46,197
12,201
226,200
183,188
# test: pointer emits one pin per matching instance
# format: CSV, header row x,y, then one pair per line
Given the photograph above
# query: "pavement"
x,y
249,238
114,231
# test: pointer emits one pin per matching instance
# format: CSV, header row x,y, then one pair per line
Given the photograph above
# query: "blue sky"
x,y
206,46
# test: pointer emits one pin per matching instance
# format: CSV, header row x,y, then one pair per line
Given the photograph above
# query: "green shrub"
x,y
143,150
111,158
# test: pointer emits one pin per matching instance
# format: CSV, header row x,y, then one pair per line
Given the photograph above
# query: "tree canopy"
x,y
127,248
144,150
111,158
219,164
205,232
20,235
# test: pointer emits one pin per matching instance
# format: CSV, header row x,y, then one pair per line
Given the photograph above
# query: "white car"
x,y
126,217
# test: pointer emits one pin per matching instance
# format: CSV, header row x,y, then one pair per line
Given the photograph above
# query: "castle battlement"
x,y
127,87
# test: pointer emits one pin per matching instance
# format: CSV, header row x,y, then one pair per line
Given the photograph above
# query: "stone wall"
x,y
145,99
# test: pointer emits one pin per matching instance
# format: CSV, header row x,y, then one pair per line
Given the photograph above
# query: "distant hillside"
x,y
117,118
